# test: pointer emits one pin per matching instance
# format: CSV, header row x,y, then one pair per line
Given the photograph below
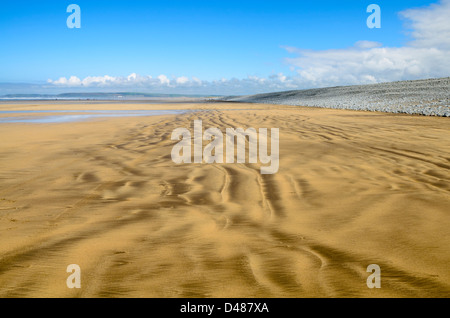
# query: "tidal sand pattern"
x,y
353,189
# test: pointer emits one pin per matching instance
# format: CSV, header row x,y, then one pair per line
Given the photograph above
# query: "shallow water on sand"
x,y
64,116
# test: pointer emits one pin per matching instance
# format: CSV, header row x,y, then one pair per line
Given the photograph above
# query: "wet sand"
x,y
353,189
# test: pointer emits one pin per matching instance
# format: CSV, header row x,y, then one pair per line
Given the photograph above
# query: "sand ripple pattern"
x,y
353,189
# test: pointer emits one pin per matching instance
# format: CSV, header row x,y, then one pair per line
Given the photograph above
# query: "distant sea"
x,y
101,96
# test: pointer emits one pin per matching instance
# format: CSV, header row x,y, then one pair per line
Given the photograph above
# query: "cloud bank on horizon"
x,y
425,56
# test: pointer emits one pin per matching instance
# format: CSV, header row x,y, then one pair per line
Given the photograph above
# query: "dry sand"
x,y
354,189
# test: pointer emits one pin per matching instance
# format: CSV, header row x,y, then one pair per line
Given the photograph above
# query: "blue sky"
x,y
197,46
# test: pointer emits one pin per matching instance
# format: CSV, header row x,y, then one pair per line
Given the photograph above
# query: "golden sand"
x,y
353,189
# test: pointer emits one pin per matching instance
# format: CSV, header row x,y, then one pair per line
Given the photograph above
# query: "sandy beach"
x,y
353,189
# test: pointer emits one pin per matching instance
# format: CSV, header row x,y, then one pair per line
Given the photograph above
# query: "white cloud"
x,y
367,44
196,80
72,81
431,26
182,80
132,77
426,56
98,80
164,80
280,77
